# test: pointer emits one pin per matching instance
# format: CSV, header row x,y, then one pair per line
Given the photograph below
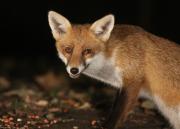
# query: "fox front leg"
x,y
124,101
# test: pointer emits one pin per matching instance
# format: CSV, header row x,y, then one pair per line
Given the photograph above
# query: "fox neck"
x,y
104,69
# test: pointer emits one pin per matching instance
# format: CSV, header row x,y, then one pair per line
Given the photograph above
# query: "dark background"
x,y
25,31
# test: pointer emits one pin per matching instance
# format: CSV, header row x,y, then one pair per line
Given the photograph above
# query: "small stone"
x,y
19,119
36,117
46,121
93,122
28,122
55,121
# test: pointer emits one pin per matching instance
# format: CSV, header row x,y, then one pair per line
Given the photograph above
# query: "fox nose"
x,y
74,70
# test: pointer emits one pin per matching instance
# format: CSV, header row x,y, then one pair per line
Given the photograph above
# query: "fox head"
x,y
77,45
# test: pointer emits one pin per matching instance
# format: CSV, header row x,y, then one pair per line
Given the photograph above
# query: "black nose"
x,y
74,70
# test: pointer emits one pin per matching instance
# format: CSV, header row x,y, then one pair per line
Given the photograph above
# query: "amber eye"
x,y
87,51
68,50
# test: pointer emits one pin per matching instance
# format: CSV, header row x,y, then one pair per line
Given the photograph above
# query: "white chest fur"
x,y
172,113
104,70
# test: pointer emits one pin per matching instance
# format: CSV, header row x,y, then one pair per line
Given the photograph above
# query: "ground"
x,y
48,99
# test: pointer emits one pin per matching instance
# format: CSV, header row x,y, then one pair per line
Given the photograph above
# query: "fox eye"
x,y
68,50
87,51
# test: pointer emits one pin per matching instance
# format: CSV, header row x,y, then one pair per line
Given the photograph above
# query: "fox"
x,y
126,57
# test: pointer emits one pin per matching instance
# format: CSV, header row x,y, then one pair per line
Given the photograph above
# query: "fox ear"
x,y
59,24
102,28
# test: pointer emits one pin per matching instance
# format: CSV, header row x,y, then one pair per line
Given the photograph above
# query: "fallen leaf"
x,y
51,80
4,82
86,105
54,110
42,103
75,127
50,116
148,104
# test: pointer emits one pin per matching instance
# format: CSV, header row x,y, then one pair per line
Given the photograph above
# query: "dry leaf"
x,y
86,105
50,80
148,104
42,103
4,82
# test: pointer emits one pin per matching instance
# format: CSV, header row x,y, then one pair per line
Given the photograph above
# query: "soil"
x,y
43,97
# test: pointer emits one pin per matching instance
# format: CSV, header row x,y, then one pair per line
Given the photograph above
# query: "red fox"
x,y
127,57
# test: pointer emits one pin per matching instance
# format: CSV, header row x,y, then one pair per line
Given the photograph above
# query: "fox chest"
x,y
104,70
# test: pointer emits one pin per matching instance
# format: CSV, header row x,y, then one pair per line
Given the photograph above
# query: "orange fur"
x,y
145,61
